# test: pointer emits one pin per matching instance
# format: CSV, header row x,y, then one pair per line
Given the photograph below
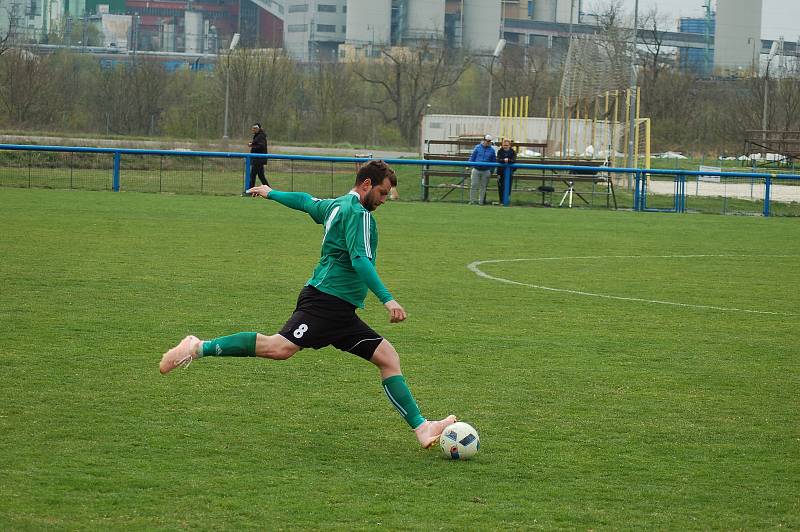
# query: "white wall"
x,y
481,24
369,22
533,129
425,19
737,40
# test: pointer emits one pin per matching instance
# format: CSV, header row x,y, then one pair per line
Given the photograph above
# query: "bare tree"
x,y
260,83
191,104
25,84
131,95
7,33
75,75
5,42
653,24
616,26
274,79
523,72
407,79
788,104
238,69
331,88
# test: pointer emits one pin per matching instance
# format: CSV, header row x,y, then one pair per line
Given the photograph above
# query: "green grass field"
x,y
608,411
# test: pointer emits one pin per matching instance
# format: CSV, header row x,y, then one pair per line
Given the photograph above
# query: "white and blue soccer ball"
x,y
459,441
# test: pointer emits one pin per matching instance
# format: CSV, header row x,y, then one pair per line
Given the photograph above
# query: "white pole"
x,y
227,95
497,51
764,114
633,94
491,78
234,42
772,51
566,119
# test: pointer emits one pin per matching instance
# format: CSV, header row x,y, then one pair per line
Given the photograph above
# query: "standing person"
x,y
257,145
479,177
325,313
505,155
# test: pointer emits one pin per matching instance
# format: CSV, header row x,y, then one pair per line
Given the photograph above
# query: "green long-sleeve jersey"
x,y
346,267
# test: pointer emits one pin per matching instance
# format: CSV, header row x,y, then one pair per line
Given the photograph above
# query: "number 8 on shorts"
x,y
300,331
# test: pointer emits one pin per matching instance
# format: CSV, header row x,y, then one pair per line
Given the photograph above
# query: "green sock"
x,y
400,396
236,345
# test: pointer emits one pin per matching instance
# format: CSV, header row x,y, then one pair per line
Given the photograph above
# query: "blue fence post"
x,y
767,185
643,192
115,177
676,189
245,182
506,199
638,192
683,193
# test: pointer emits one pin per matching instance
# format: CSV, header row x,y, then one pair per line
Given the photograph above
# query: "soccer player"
x,y
325,313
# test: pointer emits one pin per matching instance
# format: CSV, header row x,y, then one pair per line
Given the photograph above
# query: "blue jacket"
x,y
482,154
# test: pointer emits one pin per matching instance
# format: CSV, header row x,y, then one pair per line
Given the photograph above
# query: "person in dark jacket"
x,y
507,155
258,145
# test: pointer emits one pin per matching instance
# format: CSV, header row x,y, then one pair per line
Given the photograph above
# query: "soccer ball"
x,y
459,441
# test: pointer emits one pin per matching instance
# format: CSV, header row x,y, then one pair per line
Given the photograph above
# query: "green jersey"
x,y
346,266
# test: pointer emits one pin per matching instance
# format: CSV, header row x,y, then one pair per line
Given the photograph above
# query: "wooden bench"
x,y
465,145
552,181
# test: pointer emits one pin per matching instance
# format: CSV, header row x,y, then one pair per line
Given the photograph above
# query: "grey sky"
x,y
780,17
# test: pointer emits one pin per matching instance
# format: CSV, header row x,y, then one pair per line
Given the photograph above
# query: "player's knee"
x,y
386,357
275,347
284,352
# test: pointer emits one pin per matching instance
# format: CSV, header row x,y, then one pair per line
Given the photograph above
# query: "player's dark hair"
x,y
376,171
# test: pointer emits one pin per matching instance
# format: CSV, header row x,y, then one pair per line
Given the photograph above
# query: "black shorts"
x,y
320,320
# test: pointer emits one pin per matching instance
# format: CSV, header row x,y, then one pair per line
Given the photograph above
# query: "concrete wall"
x,y
193,31
425,20
481,24
556,10
737,41
369,21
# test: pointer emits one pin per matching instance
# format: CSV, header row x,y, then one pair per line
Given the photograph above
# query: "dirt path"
x,y
754,191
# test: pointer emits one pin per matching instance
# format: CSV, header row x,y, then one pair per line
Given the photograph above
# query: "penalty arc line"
x,y
473,266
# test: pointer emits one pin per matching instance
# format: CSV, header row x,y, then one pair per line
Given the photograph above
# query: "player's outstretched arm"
x,y
300,201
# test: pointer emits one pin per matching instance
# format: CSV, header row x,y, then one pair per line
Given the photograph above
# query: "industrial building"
x,y
737,43
698,60
354,29
196,27
727,43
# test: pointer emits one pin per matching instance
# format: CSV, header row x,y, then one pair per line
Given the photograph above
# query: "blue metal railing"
x,y
639,189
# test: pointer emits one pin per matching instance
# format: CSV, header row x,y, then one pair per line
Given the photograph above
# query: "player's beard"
x,y
370,202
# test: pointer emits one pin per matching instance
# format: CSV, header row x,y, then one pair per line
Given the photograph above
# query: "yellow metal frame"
x,y
513,110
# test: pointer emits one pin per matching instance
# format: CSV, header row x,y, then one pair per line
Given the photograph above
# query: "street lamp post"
x,y
565,121
234,42
633,91
772,51
497,51
632,97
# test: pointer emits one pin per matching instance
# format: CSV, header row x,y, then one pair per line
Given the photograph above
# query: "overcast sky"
x,y
780,17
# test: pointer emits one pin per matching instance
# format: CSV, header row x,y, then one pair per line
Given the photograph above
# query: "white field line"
x,y
474,267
